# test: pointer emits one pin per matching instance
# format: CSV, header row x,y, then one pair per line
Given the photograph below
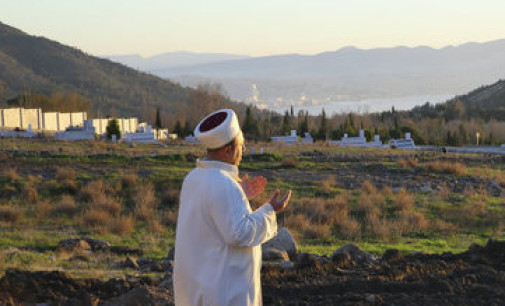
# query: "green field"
x,y
128,195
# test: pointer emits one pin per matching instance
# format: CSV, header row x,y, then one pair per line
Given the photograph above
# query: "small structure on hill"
x,y
18,133
144,134
76,133
359,141
287,140
307,139
407,143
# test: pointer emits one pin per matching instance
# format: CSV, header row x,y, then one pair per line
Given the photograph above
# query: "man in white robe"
x,y
218,239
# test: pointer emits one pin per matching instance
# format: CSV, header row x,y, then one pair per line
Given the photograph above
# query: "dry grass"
x,y
94,191
129,181
64,174
447,167
109,205
122,225
411,162
43,208
387,191
289,162
169,218
170,197
11,174
368,187
414,222
95,220
145,202
328,183
443,192
66,206
404,201
317,231
350,229
156,226
443,227
10,214
30,194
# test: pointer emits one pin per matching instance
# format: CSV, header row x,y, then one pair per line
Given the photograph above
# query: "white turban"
x,y
218,128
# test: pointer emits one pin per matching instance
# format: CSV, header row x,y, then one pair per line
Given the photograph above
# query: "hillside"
x,y
486,102
38,65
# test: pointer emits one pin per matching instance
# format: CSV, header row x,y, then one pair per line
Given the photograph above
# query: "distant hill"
x,y
354,74
39,65
485,102
162,62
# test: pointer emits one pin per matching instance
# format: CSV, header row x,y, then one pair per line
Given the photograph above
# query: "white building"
x,y
287,140
407,143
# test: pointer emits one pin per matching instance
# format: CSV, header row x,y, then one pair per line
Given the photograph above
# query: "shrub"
x,y
43,208
95,220
387,191
156,226
350,229
289,162
10,214
328,183
368,187
455,168
109,205
11,174
411,162
145,202
66,177
94,191
129,181
66,206
122,225
171,197
415,222
30,193
443,227
169,218
64,174
404,202
317,231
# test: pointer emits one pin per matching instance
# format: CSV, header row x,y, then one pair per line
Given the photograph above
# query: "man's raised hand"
x,y
279,205
254,186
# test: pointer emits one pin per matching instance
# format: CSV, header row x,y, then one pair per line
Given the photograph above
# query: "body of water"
x,y
369,106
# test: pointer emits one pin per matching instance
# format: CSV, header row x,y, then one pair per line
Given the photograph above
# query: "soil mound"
x,y
476,276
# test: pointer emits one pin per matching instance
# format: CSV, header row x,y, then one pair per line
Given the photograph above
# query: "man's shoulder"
x,y
210,175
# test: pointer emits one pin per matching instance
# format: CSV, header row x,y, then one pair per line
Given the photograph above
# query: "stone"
x,y
391,255
272,254
355,253
283,241
130,262
96,244
73,245
342,259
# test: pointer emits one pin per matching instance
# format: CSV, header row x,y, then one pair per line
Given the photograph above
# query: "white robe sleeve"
x,y
235,221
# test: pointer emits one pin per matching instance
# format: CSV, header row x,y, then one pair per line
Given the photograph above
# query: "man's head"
x,y
220,133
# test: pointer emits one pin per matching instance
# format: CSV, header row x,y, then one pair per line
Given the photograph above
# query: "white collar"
x,y
205,163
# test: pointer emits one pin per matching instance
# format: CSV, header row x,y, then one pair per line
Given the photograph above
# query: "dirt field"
x,y
476,276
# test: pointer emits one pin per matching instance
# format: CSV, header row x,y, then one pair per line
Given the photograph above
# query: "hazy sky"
x,y
254,27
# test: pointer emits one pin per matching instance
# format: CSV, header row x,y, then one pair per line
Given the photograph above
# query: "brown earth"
x,y
476,276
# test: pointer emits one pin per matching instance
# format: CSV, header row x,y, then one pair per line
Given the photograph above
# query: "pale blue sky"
x,y
254,27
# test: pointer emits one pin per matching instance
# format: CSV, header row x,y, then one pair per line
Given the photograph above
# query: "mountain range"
x,y
348,74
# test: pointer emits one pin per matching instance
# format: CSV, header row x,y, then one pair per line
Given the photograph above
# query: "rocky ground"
x,y
348,277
